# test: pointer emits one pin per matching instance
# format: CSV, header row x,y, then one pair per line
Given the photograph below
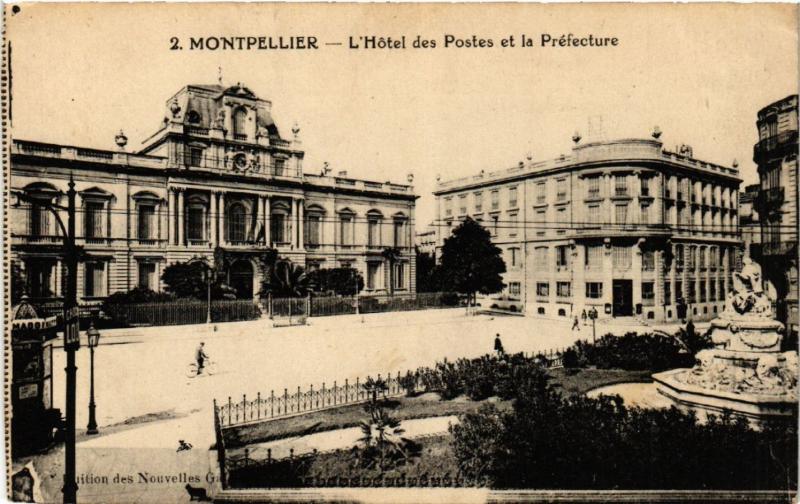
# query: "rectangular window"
x,y
448,206
690,258
399,233
514,288
147,221
620,185
94,279
540,256
621,257
541,192
512,225
399,276
648,293
513,254
594,257
39,277
621,214
373,270
594,290
539,224
562,256
691,295
93,219
280,167
679,259
678,289
478,202
563,289
593,187
346,229
195,219
644,216
667,292
495,200
645,186
512,197
277,224
39,220
561,189
462,204
702,292
543,289
195,156
313,225
561,220
373,232
701,258
648,260
147,275
712,290
593,214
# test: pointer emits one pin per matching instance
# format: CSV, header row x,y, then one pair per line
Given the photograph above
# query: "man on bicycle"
x,y
200,357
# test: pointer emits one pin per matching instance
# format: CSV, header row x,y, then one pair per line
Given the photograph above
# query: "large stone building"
x,y
624,226
777,202
749,225
217,181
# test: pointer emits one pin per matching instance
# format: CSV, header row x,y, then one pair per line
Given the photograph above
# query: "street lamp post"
x,y
71,330
93,335
593,316
208,286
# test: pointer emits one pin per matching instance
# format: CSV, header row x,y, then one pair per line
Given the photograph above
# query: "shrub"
x,y
549,441
633,352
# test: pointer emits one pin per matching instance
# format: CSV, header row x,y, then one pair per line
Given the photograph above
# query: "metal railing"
x,y
182,312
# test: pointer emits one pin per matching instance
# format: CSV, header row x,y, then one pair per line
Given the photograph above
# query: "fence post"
x,y
358,390
285,400
323,394
258,411
271,403
311,397
334,392
220,447
298,396
346,391
230,411
244,408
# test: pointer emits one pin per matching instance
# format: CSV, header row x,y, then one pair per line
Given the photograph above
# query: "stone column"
x,y
608,277
213,220
171,217
181,224
267,222
636,269
301,240
221,235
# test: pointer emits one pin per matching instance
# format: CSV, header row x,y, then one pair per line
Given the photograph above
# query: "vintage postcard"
x,y
261,252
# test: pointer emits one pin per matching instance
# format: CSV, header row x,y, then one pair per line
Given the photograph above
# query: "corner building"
x,y
777,203
216,182
625,227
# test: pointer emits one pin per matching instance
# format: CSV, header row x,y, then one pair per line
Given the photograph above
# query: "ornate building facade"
x,y
777,202
217,181
625,227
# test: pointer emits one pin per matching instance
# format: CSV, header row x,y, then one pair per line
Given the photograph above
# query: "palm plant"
x,y
382,438
287,280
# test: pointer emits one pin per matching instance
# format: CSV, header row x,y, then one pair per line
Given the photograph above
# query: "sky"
x,y
700,72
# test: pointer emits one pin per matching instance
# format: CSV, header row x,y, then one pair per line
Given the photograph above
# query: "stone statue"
x,y
219,122
748,296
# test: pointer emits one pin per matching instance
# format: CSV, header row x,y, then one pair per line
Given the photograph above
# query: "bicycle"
x,y
209,368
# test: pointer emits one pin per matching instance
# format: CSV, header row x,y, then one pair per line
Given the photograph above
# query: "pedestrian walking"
x,y
498,346
583,317
575,324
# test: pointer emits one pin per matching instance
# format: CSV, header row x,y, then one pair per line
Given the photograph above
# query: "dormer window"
x,y
193,117
239,124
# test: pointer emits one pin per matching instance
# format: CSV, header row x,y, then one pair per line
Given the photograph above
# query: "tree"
x,y
470,262
427,273
286,279
338,281
392,255
188,280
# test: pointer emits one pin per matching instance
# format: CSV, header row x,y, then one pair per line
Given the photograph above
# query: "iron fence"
x,y
278,405
181,312
344,305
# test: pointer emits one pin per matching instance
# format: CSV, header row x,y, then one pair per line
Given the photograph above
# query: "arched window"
x,y
346,227
313,225
239,123
237,222
193,117
280,224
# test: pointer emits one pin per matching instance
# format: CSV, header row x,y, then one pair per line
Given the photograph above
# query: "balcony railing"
x,y
773,143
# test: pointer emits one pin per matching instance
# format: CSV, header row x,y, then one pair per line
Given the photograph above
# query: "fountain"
x,y
745,372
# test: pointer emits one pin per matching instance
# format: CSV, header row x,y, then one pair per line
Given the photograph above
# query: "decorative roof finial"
x,y
219,75
529,156
410,178
735,163
296,130
175,108
576,137
121,140
656,132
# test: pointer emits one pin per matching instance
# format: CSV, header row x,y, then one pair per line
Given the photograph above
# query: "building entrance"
x,y
241,279
623,298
